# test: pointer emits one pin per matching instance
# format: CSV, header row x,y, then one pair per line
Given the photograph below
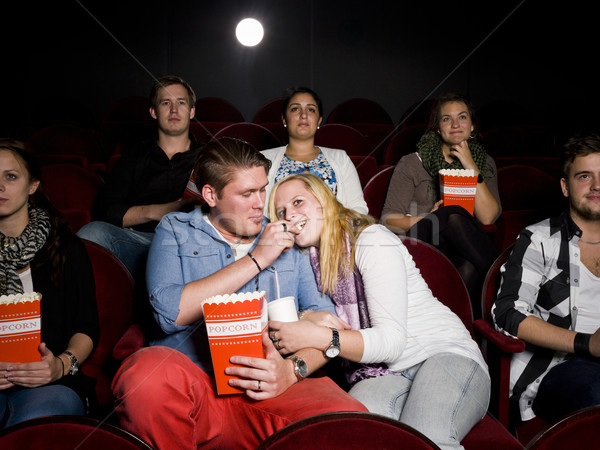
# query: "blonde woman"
x,y
407,355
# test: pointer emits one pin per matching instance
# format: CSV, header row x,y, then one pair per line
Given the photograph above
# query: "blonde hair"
x,y
336,257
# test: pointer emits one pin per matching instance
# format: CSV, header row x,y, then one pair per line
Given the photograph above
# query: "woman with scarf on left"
x,y
39,253
409,356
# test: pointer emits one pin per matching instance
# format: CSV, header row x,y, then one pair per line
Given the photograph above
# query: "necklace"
x,y
306,158
234,246
588,242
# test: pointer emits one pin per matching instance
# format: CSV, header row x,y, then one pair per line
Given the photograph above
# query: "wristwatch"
x,y
479,178
334,348
74,362
300,367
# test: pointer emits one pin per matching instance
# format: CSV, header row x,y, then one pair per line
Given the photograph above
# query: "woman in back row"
x,y
302,114
414,206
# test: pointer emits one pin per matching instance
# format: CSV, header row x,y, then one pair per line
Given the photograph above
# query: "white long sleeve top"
x,y
408,324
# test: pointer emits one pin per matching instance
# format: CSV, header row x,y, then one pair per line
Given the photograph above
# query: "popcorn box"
x,y
458,187
20,327
234,324
191,191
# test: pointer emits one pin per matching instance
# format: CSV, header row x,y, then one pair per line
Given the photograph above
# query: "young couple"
x,y
409,357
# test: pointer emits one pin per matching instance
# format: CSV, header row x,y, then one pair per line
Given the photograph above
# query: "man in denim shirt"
x,y
164,393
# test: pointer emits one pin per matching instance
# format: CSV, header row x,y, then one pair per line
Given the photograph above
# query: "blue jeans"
x,y
130,246
442,397
570,386
19,404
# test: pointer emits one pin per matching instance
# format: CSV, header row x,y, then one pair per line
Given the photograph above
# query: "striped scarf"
x,y
18,252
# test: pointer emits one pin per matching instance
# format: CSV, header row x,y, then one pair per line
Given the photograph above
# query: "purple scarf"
x,y
351,306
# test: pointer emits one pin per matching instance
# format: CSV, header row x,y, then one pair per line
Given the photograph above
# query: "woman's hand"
x,y
325,319
262,378
289,337
462,152
33,374
437,205
4,383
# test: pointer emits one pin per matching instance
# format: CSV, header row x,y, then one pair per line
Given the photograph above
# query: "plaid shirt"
x,y
540,278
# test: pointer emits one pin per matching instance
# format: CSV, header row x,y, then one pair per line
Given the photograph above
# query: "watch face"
x,y
301,367
332,352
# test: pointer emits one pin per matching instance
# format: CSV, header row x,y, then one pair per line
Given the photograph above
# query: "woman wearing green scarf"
x,y
413,205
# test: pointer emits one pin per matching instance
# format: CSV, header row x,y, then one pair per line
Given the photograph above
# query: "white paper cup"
x,y
283,309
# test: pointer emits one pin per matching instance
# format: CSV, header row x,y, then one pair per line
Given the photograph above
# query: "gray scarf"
x,y
16,253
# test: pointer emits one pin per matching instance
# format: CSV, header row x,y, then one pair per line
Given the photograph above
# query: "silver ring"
x,y
284,227
259,389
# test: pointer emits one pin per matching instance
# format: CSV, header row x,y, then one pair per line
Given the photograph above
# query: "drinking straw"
x,y
277,284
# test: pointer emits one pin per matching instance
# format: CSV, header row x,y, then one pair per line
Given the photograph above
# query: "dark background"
x,y
75,58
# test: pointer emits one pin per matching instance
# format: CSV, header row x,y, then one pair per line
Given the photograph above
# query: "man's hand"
x,y
262,378
178,205
275,240
139,214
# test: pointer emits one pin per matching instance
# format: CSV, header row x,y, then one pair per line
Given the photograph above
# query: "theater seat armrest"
x,y
490,229
132,340
501,341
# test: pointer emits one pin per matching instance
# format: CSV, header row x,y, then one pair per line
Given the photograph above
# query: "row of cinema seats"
x,y
343,430
358,125
121,336
67,143
527,193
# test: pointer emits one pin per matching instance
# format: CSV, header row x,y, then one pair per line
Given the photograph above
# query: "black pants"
x,y
568,387
456,233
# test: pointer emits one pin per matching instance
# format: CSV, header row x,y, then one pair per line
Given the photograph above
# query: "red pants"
x,y
169,402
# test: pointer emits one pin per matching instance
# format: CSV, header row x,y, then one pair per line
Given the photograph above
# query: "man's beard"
x,y
584,211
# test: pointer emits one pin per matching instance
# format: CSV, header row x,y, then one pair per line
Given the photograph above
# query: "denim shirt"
x,y
186,248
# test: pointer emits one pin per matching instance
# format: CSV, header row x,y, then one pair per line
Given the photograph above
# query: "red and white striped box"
x,y
458,187
234,324
191,191
20,327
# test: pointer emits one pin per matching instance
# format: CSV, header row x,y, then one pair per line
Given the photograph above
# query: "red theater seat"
x,y
72,189
114,295
68,432
375,191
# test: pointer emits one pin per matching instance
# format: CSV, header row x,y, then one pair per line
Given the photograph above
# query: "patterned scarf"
x,y
351,306
18,252
429,149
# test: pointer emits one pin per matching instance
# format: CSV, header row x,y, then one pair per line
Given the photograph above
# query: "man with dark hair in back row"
x,y
549,297
166,393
